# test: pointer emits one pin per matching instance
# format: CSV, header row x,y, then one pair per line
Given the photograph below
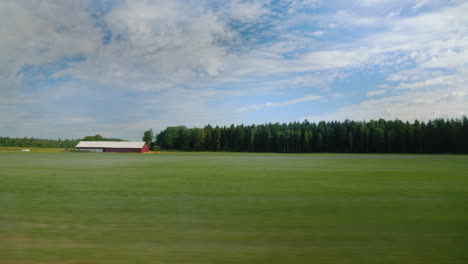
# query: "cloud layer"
x,y
73,68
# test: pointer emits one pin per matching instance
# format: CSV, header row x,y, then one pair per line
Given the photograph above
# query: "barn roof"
x,y
109,144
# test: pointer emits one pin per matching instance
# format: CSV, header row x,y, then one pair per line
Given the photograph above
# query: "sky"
x,y
72,68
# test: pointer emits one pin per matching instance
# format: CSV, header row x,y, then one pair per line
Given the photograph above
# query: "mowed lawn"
x,y
232,208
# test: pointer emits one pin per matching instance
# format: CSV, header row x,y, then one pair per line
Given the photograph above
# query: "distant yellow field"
x,y
18,149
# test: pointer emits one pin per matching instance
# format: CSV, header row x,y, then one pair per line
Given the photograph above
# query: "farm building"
x,y
112,146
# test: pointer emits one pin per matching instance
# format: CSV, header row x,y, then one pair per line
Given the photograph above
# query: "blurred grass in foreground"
x,y
233,208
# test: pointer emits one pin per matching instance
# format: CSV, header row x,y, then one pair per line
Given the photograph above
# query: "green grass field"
x,y
17,149
232,208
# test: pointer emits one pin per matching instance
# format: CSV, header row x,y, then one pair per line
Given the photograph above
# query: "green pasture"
x,y
18,149
94,208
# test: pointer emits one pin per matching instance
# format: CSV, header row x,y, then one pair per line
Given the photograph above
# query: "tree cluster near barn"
x,y
100,138
38,143
375,136
49,143
148,138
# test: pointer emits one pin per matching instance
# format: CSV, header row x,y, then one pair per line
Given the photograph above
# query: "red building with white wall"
x,y
112,146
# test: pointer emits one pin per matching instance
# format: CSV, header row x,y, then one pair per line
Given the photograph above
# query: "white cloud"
x,y
375,2
311,3
440,81
181,58
246,11
338,95
160,46
419,4
318,33
433,48
278,104
410,106
295,6
376,92
257,64
153,46
425,34
394,13
41,32
333,59
443,96
347,18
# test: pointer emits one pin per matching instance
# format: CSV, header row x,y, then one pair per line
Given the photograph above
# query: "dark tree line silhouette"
x,y
375,136
49,143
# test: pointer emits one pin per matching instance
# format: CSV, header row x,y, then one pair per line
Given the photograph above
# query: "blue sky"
x,y
74,68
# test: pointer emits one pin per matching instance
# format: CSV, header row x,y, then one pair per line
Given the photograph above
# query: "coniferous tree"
x,y
393,136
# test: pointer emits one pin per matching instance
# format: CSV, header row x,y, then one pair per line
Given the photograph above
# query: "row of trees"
x,y
100,138
49,143
37,143
375,136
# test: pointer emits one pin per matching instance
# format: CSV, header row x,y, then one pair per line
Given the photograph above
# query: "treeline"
x,y
49,143
37,143
375,136
100,138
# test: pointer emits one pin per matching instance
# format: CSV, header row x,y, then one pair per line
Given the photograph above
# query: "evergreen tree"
x,y
393,136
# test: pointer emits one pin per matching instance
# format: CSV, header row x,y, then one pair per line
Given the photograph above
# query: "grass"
x,y
232,208
16,149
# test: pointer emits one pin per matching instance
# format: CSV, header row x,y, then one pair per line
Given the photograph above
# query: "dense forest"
x,y
375,136
49,143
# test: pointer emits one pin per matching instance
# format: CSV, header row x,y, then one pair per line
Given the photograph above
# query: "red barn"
x,y
112,146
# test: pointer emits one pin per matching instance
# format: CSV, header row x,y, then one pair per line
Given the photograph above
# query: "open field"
x,y
18,149
232,208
